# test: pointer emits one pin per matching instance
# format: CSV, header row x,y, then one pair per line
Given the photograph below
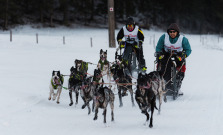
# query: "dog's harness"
x,y
148,86
61,80
103,63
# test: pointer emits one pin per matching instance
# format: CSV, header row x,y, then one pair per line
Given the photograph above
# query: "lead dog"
x,y
104,65
56,84
77,76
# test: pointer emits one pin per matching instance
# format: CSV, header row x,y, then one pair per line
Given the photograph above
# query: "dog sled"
x,y
173,79
128,54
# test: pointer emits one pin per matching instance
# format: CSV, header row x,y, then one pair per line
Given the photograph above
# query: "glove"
x,y
122,44
135,45
144,68
181,56
159,55
140,44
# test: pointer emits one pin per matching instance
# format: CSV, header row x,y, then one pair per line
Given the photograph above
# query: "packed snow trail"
x,y
26,69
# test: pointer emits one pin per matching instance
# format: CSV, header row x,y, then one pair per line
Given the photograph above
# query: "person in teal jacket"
x,y
172,44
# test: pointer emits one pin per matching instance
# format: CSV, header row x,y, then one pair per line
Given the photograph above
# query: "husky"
x,y
56,84
87,93
104,65
145,98
121,77
104,96
77,76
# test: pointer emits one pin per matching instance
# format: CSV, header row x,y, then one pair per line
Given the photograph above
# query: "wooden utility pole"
x,y
111,23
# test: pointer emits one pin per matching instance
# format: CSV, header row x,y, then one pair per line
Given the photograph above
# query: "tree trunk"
x,y
92,10
65,12
6,15
51,18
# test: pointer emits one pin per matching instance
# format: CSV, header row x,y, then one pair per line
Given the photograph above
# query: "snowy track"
x,y
25,76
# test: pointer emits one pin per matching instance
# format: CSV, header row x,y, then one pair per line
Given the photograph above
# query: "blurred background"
x,y
193,16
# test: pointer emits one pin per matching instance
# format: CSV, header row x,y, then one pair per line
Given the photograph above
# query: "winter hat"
x,y
173,26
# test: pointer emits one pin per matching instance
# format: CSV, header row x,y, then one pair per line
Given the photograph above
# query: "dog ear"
x,y
53,72
58,73
116,55
101,51
75,62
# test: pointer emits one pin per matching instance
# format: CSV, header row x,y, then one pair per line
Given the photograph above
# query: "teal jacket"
x,y
185,44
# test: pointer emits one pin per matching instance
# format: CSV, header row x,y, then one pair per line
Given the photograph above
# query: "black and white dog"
x,y
145,97
122,79
77,76
104,96
56,84
148,86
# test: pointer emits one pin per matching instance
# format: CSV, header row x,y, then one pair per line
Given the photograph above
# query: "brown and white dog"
x,y
104,65
56,84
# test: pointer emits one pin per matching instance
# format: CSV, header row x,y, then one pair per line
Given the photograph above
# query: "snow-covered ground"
x,y
26,68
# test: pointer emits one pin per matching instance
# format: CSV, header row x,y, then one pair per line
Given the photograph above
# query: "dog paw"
x,y
121,105
146,123
58,102
95,118
70,104
83,106
150,125
165,99
49,98
124,94
112,119
76,103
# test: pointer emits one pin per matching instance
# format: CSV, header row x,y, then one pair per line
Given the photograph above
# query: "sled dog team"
x,y
149,86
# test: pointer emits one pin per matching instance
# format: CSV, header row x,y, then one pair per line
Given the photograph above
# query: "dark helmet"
x,y
129,21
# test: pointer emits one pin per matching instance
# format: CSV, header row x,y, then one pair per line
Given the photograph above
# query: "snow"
x,y
26,69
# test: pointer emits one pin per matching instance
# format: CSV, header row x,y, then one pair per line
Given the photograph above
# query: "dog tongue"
x,y
56,81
